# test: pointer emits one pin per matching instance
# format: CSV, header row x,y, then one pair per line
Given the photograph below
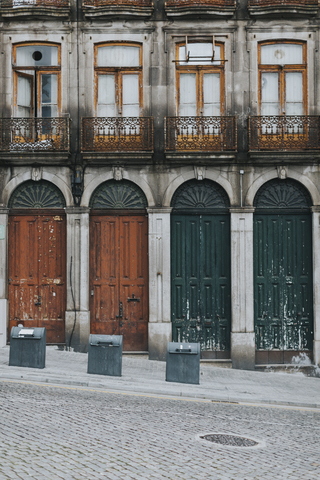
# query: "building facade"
x,y
159,174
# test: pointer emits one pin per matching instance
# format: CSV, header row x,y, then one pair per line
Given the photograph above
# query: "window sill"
x,y
276,9
110,10
35,158
35,11
196,9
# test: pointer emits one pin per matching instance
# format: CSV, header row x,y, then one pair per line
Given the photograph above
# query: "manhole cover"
x,y
230,440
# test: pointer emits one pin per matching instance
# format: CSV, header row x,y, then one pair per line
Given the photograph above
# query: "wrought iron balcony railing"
x,y
19,135
209,134
131,3
34,3
284,133
117,134
283,3
203,3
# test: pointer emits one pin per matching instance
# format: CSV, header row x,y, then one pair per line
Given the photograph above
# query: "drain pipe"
x,y
241,175
74,305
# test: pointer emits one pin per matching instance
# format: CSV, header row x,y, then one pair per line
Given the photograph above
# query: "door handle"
x,y
38,303
133,299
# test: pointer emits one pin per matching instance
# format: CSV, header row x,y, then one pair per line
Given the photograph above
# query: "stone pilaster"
x,y
77,314
242,324
160,329
3,276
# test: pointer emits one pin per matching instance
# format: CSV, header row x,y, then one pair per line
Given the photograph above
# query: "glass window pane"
x,y
23,112
24,91
270,109
270,87
200,50
106,90
293,87
294,95
118,56
270,104
18,3
188,110
34,55
130,90
130,111
188,96
211,94
49,111
106,110
294,109
49,90
281,54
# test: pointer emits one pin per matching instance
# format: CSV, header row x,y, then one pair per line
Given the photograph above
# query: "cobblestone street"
x,y
62,432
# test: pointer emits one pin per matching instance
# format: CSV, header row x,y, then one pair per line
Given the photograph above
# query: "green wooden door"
x,y
283,284
200,265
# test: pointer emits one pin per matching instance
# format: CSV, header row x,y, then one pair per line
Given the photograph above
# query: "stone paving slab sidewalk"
x,y
140,375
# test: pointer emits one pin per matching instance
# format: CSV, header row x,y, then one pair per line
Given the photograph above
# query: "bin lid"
x,y
106,340
26,332
185,348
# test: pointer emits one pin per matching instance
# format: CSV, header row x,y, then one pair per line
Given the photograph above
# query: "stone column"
x,y
77,314
160,329
242,324
316,282
3,275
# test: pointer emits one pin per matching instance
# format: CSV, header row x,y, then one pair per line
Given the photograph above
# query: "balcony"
x,y
99,8
271,7
119,137
34,139
176,8
28,8
206,137
296,137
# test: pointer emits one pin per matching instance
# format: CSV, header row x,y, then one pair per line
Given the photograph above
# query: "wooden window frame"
x,y
199,70
282,70
22,70
118,72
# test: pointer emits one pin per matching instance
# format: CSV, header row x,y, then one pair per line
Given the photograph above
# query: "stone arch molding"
x,y
282,194
118,194
200,195
177,182
24,177
272,174
99,179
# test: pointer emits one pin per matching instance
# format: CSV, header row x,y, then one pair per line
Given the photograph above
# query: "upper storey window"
x,y
200,79
36,80
118,73
283,79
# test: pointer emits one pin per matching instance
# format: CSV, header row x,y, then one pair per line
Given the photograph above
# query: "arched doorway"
x,y
283,294
200,267
119,263
37,258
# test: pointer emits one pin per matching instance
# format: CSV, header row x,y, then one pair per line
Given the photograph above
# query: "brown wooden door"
x,y
37,273
119,278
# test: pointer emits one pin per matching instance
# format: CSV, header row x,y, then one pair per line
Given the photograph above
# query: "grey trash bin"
x,y
28,347
105,355
183,362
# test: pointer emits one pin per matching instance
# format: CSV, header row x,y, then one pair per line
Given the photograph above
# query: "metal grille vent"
x,y
229,440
